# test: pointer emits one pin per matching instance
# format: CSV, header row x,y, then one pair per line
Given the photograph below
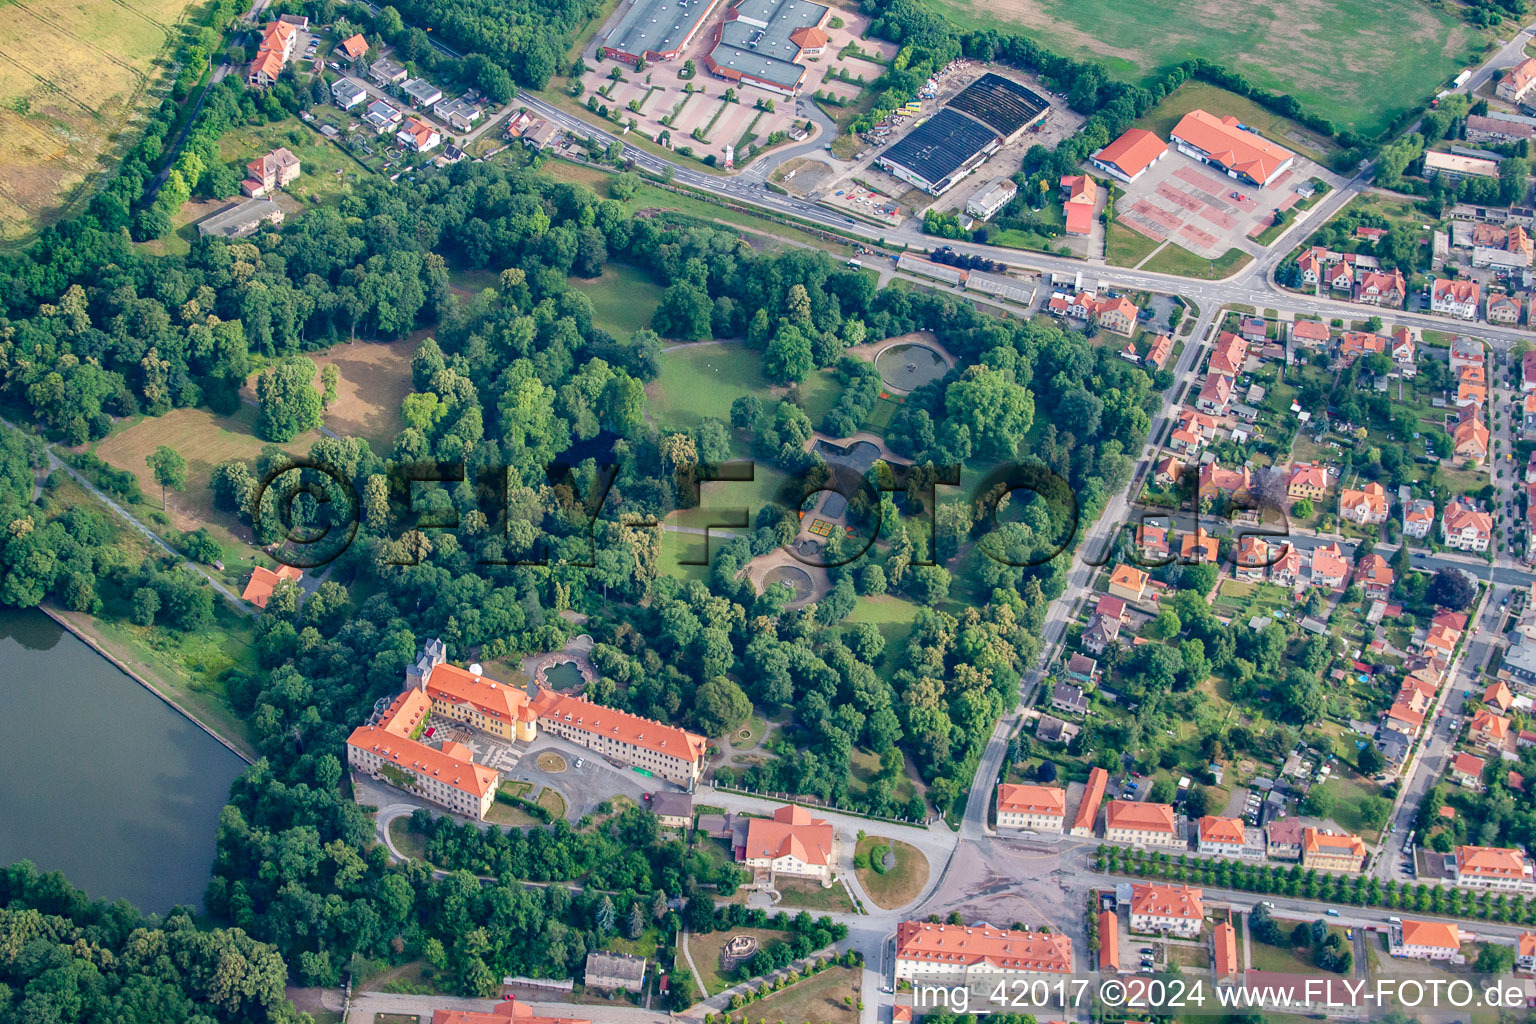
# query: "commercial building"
x,y
1129,156
1043,808
1226,145
765,42
1331,851
987,203
956,953
509,1011
790,843
389,750
1488,867
1454,167
656,30
1167,909
1141,824
964,132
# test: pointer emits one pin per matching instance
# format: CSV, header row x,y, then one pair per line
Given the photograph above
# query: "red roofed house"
x,y
1167,909
1080,193
1489,731
1309,333
1467,770
1517,81
1499,697
1215,395
1032,807
1339,277
1221,836
1525,952
1329,569
1224,949
1502,309
1286,570
1222,144
1215,480
272,56
509,1011
1405,348
929,951
1367,505
269,172
1251,558
1466,528
1228,354
1130,155
672,753
1331,851
1088,808
1136,823
354,47
1157,355
1193,431
1375,576
1381,288
1308,480
790,843
1198,547
1488,867
1459,298
1310,263
263,581
1355,344
1470,438
1117,315
418,136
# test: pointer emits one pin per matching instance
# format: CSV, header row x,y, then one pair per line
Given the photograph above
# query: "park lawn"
x,y
705,952
901,884
703,379
807,894
623,298
864,768
1124,247
551,800
823,998
1175,259
1283,958
72,85
818,394
373,379
204,439
412,844
892,616
1357,65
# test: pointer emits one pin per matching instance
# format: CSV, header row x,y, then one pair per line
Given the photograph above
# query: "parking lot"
x,y
1181,200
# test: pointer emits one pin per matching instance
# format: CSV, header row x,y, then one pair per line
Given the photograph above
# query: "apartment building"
x,y
1169,909
1489,867
1141,824
1424,940
1042,808
1222,836
1331,851
954,953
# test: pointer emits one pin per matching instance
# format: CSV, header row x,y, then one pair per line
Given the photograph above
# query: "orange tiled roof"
x,y
1128,576
1215,829
1468,764
501,1013
1440,934
355,46
620,725
1225,939
1142,817
1158,900
1133,151
258,590
1109,940
1242,151
1093,795
404,752
983,944
1491,862
1498,694
792,832
1526,944
1486,722
1026,799
808,38
454,685
1460,289
1331,844
1308,474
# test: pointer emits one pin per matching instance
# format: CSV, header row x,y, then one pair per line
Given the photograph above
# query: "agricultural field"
x,y
1357,65
73,77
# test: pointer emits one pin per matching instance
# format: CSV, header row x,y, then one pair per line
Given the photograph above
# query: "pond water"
x,y
909,366
99,778
563,676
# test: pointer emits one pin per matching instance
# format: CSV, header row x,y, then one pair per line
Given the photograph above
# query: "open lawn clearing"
x,y
623,298
900,885
1124,247
705,951
373,379
830,997
1358,65
1175,259
73,77
864,767
204,439
703,379
1286,958
892,616
412,844
809,894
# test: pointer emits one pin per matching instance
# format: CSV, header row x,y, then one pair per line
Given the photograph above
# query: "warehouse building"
x,y
763,42
983,117
656,30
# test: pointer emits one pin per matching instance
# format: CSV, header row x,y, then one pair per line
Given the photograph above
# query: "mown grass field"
x,y
1358,65
824,998
903,883
73,77
1216,100
623,298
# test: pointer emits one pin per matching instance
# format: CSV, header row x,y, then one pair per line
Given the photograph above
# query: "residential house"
x,y
1198,547
1193,432
952,953
1309,333
1310,263
1117,315
381,117
1286,570
1381,288
1424,940
347,94
1251,558
1215,395
1223,836
1467,770
1136,823
1489,731
263,581
1465,352
1254,329
272,54
459,112
1499,698
1517,81
1405,348
269,172
1368,505
1329,569
674,810
1167,909
1528,418
1041,808
1072,699
1167,472
1217,481
1469,439
1228,354
1465,528
1157,356
1102,633
1375,576
1525,952
354,47
1418,518
1308,480
1283,839
792,842
1339,277
1457,298
1079,195
1084,670
1354,344
421,92
386,73
1325,850
418,136
1502,309
1128,582
1152,540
